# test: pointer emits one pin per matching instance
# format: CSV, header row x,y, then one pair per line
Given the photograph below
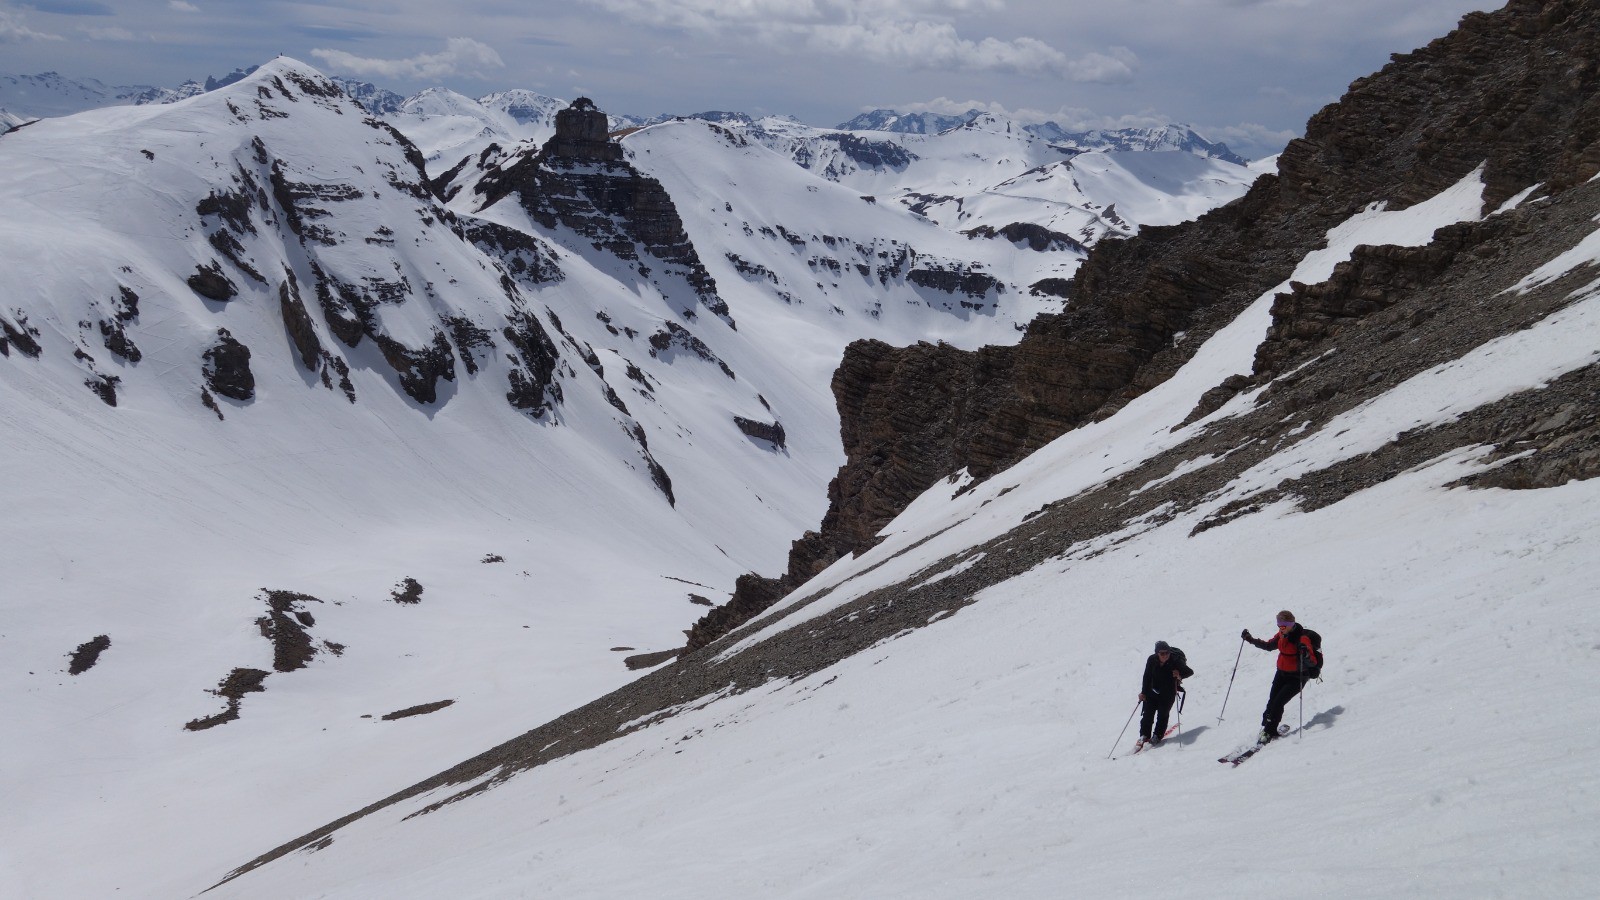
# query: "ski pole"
x,y
1302,674
1182,696
1136,705
1230,681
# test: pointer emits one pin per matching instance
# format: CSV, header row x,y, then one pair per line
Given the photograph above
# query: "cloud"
x,y
718,15
1114,67
112,33
182,6
936,45
917,34
942,106
1253,137
13,31
71,7
461,56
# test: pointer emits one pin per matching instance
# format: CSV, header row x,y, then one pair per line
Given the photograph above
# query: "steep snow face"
x,y
819,252
971,757
447,126
1161,138
525,107
1096,195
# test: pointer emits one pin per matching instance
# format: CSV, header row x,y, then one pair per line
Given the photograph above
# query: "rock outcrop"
x,y
227,368
581,180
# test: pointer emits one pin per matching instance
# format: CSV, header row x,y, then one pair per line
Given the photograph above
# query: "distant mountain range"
x,y
1165,137
908,123
52,94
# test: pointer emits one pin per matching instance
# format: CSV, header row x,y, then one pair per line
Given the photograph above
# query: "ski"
x,y
1246,751
1141,744
1240,755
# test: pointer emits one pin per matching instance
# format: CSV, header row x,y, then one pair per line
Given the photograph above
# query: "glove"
x,y
1245,634
1141,698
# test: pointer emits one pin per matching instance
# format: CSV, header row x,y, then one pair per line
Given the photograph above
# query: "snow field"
x,y
1447,752
1445,749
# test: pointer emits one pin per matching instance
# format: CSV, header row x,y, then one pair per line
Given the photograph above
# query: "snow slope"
x,y
162,524
1444,753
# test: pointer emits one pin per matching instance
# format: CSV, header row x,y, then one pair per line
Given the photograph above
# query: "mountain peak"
x,y
583,133
908,123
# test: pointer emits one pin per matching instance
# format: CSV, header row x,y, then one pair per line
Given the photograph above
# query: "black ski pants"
x,y
1157,707
1285,685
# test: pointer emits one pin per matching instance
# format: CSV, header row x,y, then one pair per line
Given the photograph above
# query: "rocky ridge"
x,y
1516,91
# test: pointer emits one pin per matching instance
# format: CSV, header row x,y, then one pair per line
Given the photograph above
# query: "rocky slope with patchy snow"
x,y
1478,98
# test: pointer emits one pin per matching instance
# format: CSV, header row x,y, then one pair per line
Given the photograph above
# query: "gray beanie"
x,y
1162,646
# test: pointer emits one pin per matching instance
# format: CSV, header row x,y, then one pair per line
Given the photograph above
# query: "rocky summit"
x,y
580,180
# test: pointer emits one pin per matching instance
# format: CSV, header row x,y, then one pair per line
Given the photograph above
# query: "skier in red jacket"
x,y
1294,650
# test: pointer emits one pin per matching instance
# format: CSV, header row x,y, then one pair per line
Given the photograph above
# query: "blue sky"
x,y
1248,72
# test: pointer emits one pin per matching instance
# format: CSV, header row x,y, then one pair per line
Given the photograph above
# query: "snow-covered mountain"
x,y
376,100
1166,137
994,177
1365,393
451,128
983,176
907,123
53,94
959,171
286,434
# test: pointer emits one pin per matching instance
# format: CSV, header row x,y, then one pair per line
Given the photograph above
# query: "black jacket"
x,y
1160,679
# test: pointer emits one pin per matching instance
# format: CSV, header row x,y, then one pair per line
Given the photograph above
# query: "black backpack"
x,y
1182,661
1311,666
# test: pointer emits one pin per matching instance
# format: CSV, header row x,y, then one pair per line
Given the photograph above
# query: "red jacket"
x,y
1288,645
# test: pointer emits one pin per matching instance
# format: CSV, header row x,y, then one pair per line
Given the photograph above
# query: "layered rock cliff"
x,y
581,180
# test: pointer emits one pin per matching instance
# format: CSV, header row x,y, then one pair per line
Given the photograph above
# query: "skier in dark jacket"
x,y
1294,654
1164,673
